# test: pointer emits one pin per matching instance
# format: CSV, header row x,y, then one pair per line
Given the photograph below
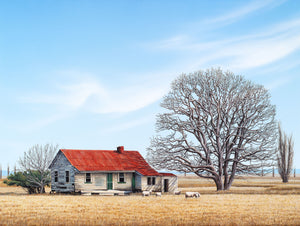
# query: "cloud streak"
x,y
236,14
94,97
253,50
278,83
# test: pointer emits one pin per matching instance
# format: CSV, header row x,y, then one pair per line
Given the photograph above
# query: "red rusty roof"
x,y
104,160
168,174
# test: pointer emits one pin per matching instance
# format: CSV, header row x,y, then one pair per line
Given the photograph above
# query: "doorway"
x,y
133,182
109,181
166,185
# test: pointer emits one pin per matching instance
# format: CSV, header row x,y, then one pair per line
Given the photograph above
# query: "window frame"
x,y
153,180
88,178
123,178
55,176
67,176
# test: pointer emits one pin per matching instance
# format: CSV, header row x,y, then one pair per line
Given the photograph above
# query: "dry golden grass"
x,y
136,210
242,185
214,208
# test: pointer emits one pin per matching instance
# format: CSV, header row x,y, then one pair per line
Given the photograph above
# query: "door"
x,y
166,185
109,181
133,182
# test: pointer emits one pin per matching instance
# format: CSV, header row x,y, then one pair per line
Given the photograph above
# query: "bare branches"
x,y
220,124
36,162
285,155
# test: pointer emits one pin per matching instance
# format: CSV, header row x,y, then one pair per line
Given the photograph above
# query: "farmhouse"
x,y
93,171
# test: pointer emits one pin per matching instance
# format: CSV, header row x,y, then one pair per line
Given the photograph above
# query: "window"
x,y
55,176
121,178
153,180
88,178
67,176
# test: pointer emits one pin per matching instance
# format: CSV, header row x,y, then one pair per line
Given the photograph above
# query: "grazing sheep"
x,y
177,192
192,194
158,193
146,193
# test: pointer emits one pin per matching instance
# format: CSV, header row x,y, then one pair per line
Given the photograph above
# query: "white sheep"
x,y
177,192
158,194
192,194
146,193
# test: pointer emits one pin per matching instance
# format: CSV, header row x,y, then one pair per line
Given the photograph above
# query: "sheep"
x,y
158,194
177,192
192,194
146,193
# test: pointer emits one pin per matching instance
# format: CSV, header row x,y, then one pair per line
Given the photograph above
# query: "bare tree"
x,y
216,124
35,163
285,155
0,171
7,170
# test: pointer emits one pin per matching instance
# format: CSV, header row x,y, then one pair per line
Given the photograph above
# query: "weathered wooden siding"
x,y
156,187
159,184
173,183
61,165
138,181
127,186
99,182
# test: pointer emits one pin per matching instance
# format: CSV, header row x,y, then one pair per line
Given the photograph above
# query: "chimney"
x,y
120,149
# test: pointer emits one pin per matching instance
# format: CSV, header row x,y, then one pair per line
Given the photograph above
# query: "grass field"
x,y
251,201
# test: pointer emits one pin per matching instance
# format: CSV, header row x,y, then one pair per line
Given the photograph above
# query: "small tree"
x,y
35,163
22,179
285,155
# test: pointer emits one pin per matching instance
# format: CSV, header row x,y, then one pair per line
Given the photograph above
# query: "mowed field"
x,y
251,201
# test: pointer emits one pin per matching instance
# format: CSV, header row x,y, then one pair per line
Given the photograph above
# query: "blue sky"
x,y
91,74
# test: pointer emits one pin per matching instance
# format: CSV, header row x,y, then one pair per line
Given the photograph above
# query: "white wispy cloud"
x,y
38,123
130,124
279,82
259,48
93,96
238,13
71,95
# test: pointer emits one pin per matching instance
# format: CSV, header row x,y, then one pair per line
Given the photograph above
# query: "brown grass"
x,y
214,208
242,185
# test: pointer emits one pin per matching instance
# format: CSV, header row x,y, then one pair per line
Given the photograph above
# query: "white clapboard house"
x,y
93,171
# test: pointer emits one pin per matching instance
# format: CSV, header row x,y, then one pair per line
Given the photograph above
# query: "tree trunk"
x,y
219,184
228,185
285,179
42,188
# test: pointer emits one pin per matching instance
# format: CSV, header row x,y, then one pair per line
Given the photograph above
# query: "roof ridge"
x,y
70,149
